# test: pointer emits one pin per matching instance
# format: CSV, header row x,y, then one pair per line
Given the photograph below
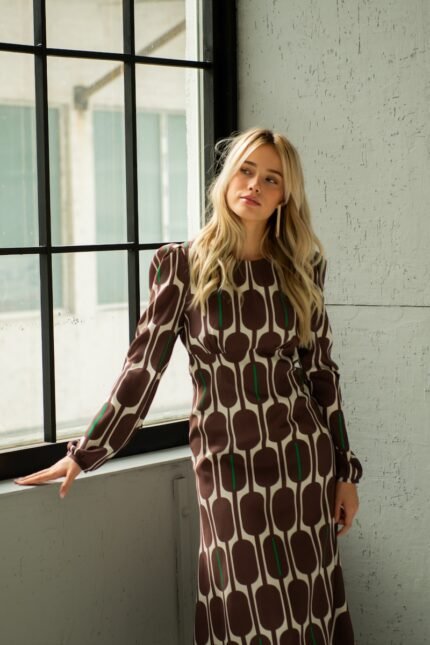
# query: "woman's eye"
x,y
272,179
244,170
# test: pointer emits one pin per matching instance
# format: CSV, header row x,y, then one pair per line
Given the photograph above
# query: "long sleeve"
x,y
147,358
322,374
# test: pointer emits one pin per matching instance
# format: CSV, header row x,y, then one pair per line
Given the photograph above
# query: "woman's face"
x,y
257,187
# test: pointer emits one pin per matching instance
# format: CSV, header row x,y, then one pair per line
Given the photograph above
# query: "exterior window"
x,y
108,120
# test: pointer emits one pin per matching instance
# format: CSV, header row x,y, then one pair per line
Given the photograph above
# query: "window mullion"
x,y
44,212
207,106
130,129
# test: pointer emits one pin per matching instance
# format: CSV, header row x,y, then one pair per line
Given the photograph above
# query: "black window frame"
x,y
219,68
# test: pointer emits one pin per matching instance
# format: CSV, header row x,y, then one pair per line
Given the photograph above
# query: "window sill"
x,y
119,465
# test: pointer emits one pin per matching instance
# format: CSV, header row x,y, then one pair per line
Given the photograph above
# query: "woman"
x,y
274,471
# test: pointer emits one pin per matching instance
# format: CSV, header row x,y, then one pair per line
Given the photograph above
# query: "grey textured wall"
x,y
349,83
113,563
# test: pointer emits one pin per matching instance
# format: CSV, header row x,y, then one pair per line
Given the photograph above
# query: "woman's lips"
x,y
250,201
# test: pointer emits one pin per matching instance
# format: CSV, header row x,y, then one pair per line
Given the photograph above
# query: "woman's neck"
x,y
251,245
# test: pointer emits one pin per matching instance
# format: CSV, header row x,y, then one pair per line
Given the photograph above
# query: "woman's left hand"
x,y
346,505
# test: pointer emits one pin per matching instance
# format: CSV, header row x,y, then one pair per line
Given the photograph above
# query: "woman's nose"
x,y
254,183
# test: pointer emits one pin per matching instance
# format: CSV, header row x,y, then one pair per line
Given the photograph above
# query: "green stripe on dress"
x,y
233,473
165,351
313,640
221,575
255,378
159,266
97,419
277,558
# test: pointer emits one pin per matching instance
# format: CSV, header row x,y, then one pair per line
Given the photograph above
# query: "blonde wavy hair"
x,y
297,254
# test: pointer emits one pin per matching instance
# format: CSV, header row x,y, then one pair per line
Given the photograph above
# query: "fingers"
x,y
66,467
346,517
72,473
345,506
345,528
337,509
36,478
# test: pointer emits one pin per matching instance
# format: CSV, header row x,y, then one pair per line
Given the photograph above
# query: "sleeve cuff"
x,y
348,467
87,459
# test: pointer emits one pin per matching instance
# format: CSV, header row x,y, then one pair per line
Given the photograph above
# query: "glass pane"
x,y
18,184
84,24
19,283
170,401
21,419
149,169
168,28
88,96
145,258
109,172
112,278
90,341
16,24
177,175
167,150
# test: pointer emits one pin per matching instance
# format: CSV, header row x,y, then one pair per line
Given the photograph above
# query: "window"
x,y
107,127
162,181
18,200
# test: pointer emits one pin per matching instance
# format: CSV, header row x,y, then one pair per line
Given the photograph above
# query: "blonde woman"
x,y
275,474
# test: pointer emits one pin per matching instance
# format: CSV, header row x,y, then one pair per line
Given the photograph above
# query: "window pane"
x,y
168,160
168,28
18,184
109,173
174,395
57,224
149,168
91,140
16,24
177,175
90,342
20,352
84,24
19,283
170,401
111,278
18,197
145,258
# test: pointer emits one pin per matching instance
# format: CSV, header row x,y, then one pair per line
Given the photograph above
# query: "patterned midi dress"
x,y
268,442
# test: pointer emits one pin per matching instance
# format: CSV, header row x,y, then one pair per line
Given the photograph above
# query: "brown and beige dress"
x,y
268,441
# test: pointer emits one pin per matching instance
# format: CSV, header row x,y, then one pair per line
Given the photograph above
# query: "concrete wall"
x,y
348,82
114,562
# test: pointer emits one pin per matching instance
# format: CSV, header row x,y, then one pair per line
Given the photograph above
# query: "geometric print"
x,y
268,441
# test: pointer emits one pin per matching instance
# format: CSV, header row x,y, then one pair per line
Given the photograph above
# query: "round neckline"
x,y
256,260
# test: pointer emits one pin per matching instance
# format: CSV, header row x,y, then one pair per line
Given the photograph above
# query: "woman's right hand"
x,y
65,467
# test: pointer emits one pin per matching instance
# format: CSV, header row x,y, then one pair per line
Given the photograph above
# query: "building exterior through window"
x,y
86,107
